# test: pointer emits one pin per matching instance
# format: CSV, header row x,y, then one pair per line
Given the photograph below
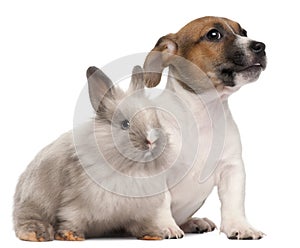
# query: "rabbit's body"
x,y
60,195
55,187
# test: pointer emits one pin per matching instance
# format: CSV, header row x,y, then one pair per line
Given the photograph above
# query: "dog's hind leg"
x,y
198,225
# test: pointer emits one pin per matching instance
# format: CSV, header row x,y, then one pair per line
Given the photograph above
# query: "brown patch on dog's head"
x,y
217,46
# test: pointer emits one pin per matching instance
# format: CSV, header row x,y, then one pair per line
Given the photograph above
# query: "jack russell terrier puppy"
x,y
229,59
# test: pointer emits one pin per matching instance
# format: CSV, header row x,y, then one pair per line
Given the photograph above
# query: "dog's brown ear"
x,y
159,58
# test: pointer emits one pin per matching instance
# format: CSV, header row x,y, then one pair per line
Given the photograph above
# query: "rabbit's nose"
x,y
150,144
152,135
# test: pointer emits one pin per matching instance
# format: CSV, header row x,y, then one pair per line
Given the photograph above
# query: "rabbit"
x,y
68,193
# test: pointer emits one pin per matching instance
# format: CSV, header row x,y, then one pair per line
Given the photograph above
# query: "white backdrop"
x,y
46,47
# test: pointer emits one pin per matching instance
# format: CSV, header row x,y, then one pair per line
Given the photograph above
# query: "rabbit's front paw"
x,y
35,231
66,235
150,237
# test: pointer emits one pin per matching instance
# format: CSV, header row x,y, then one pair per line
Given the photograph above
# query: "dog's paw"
x,y
35,231
241,230
66,235
170,232
197,225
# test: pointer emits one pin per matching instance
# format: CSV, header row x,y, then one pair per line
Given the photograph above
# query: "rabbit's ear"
x,y
137,79
99,86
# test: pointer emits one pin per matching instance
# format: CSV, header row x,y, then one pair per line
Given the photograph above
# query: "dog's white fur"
x,y
229,176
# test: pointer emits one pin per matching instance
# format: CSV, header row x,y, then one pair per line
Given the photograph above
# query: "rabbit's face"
x,y
128,121
136,131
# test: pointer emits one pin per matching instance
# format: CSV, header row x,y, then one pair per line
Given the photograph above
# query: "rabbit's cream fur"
x,y
59,197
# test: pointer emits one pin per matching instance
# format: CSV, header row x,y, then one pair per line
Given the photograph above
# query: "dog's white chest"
x,y
188,196
190,193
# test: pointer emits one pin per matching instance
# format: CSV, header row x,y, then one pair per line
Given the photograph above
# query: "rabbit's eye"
x,y
125,124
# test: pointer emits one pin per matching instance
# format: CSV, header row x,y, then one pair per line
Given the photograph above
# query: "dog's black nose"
x,y
257,47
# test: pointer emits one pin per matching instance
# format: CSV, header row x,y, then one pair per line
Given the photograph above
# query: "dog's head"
x,y
218,46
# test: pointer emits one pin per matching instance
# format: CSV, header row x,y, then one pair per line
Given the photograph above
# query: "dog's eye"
x,y
214,35
125,124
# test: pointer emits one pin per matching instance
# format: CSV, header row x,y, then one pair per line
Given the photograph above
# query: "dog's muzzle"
x,y
246,60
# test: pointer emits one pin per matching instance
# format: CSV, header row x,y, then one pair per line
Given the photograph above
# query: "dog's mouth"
x,y
252,68
231,75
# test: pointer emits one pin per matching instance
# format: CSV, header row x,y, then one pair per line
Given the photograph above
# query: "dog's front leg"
x,y
231,188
